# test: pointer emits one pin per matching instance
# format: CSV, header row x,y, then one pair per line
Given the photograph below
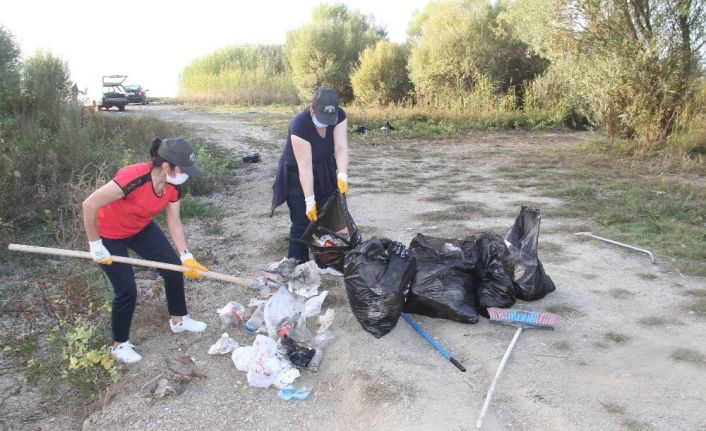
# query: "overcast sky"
x,y
152,40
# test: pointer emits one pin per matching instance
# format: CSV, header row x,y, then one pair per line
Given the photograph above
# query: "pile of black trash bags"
x,y
446,278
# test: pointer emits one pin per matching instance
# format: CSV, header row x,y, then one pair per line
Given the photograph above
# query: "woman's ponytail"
x,y
154,147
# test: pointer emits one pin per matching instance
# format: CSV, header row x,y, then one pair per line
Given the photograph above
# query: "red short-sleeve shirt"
x,y
129,215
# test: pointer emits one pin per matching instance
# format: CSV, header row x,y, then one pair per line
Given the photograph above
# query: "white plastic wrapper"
x,y
282,305
286,377
224,345
232,313
312,306
325,320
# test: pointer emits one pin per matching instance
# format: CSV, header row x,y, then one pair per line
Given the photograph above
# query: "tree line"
x,y
632,67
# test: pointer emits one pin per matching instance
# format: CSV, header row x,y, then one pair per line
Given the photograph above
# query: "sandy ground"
x,y
601,369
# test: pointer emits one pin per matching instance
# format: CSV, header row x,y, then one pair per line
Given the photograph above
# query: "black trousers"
x,y
151,244
297,215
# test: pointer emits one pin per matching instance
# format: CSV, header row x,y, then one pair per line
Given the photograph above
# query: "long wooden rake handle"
x,y
140,262
479,422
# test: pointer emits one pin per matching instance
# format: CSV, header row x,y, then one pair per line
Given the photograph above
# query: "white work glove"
x,y
342,179
311,208
99,253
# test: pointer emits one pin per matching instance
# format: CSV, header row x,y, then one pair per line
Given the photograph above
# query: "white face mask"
x,y
317,124
180,178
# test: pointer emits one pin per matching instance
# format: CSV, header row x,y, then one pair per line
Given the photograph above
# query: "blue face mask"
x,y
317,123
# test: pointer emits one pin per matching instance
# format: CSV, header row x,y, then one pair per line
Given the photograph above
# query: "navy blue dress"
x,y
287,187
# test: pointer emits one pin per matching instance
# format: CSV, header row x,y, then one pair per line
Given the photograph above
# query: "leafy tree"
x,y
382,76
45,84
326,51
457,43
9,69
636,64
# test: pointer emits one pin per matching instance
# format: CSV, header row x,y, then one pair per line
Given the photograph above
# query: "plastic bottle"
x,y
256,320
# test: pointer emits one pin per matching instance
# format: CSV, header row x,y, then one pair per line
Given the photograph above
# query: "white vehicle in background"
x,y
114,93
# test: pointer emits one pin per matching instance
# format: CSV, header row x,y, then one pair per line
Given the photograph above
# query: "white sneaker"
x,y
125,353
187,324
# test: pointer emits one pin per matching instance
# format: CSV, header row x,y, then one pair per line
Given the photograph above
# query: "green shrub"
x,y
458,45
326,50
9,70
47,174
382,77
45,86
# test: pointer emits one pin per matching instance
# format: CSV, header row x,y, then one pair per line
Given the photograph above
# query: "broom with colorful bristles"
x,y
520,320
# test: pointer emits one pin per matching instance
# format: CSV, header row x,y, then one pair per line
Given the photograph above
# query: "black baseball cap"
x,y
326,105
179,152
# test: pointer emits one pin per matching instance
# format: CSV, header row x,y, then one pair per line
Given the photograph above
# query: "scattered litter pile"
x,y
290,329
446,278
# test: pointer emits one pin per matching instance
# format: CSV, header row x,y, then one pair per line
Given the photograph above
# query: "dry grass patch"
x,y
635,425
620,293
564,310
652,321
690,356
616,337
458,212
613,407
698,307
383,388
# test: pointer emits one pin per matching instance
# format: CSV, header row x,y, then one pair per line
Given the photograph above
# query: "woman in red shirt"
x,y
118,216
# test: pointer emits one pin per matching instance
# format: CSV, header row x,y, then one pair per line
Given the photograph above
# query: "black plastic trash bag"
x,y
298,355
444,283
333,235
529,276
493,273
377,275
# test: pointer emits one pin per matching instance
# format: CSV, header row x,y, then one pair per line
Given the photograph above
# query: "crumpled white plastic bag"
x,y
264,366
224,345
241,357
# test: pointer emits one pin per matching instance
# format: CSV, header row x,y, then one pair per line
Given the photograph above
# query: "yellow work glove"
x,y
342,179
99,253
311,208
187,259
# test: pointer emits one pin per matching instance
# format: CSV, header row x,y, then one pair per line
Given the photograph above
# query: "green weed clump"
x,y
46,173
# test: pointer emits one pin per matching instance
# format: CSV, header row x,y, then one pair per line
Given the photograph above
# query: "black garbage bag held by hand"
x,y
523,239
335,221
377,274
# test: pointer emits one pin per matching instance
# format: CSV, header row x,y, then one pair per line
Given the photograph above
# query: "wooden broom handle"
x,y
141,262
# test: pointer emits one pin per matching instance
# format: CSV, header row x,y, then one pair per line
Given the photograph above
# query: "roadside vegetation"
x,y
633,73
53,153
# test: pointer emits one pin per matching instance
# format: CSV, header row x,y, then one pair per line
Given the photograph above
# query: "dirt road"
x,y
609,365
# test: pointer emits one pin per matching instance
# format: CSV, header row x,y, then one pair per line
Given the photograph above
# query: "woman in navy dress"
x,y
313,165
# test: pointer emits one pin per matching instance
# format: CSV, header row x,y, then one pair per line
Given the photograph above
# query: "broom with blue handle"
x,y
433,343
520,320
